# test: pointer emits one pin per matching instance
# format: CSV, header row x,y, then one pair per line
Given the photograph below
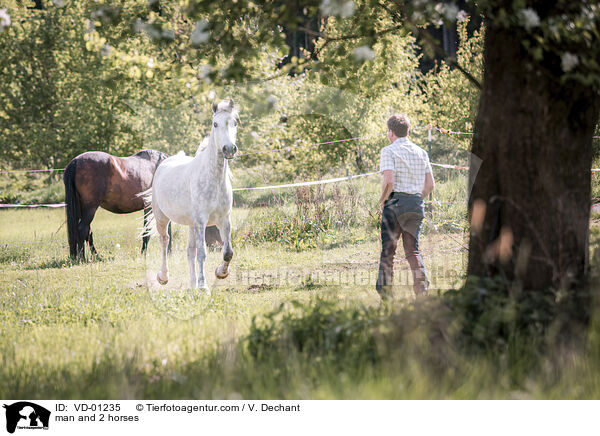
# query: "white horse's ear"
x,y
215,105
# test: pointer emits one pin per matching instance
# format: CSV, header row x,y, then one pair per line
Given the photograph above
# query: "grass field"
x,y
106,329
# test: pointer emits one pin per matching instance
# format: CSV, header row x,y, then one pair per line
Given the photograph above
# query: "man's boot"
x,y
384,285
420,281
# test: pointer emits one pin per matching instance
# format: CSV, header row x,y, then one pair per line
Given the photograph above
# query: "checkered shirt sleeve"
x,y
428,167
386,161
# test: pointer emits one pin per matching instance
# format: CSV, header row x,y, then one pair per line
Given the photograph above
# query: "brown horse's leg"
x,y
87,215
146,238
91,242
170,238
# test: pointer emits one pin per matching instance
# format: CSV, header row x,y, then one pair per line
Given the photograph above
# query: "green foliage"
x,y
490,318
448,210
31,188
334,215
70,76
343,97
92,76
58,96
320,331
452,100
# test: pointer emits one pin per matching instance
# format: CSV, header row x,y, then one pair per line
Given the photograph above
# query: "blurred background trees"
x,y
127,75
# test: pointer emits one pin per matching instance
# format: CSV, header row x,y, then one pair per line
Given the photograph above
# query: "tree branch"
x,y
395,15
343,37
426,36
351,36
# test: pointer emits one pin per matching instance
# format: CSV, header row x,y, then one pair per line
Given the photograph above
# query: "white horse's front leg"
x,y
199,230
191,254
225,229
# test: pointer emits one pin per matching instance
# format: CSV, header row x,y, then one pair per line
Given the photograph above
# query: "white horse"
x,y
196,192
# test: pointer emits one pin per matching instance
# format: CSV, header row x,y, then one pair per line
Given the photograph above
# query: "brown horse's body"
x,y
97,179
127,177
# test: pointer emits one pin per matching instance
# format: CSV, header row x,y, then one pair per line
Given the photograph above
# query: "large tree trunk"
x,y
532,191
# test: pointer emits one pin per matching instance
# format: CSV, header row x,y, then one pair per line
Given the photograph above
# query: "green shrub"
x,y
31,188
320,331
492,313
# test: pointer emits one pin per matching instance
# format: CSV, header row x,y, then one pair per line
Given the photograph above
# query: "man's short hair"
x,y
399,124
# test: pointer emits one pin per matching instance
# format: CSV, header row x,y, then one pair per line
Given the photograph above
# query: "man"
x,y
407,180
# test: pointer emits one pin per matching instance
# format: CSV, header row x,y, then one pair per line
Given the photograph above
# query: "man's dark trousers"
x,y
402,216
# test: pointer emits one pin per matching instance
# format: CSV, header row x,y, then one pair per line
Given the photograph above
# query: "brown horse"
x,y
97,179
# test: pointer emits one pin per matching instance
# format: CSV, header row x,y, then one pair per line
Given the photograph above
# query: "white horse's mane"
x,y
202,145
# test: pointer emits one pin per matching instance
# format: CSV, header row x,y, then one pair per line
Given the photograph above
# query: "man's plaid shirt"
x,y
409,162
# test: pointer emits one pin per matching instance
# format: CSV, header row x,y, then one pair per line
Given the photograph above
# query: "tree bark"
x,y
533,134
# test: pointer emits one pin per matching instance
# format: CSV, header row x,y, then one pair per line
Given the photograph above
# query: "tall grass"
x,y
333,215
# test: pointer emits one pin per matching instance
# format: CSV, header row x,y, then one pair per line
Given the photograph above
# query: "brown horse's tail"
x,y
73,209
149,228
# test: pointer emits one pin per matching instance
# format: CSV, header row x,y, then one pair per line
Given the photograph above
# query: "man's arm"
x,y
387,187
428,185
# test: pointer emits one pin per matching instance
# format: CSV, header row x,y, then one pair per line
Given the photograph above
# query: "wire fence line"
x,y
104,237
292,147
309,183
253,188
62,243
270,187
31,171
52,205
281,186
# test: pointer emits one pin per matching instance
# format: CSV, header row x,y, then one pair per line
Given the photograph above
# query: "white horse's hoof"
x,y
204,288
219,272
161,280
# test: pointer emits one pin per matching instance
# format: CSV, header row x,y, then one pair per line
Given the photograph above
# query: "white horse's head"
x,y
224,127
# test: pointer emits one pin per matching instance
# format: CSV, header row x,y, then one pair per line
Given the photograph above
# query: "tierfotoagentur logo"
x,y
26,415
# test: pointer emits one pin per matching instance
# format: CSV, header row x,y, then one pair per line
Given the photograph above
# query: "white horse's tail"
x,y
149,227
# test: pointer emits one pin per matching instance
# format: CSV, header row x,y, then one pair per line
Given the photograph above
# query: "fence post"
x,y
429,150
